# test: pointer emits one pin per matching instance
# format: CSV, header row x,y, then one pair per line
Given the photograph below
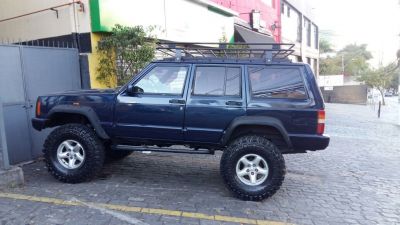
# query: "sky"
x,y
372,22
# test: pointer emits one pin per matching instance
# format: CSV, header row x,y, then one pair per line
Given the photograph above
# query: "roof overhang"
x,y
218,8
250,36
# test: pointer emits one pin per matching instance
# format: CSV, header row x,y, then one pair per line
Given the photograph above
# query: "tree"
x,y
325,46
327,63
381,78
394,83
352,60
330,65
355,58
228,48
124,53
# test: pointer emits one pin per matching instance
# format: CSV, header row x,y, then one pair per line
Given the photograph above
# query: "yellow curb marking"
x,y
201,216
234,219
197,216
162,212
119,207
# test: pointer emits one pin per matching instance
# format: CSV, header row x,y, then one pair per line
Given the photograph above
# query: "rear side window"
x,y
269,82
217,81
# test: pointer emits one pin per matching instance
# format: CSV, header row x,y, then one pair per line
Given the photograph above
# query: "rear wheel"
x,y
73,153
252,167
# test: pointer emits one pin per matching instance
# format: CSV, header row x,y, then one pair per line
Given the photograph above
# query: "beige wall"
x,y
289,24
175,20
43,24
289,32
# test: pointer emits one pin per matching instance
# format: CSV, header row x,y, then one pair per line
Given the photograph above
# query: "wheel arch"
x,y
63,114
255,124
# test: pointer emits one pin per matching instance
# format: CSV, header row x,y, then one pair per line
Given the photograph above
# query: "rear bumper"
x,y
301,143
39,124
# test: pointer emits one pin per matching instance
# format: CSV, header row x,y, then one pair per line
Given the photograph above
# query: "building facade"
x,y
178,20
286,21
46,20
299,27
83,23
257,20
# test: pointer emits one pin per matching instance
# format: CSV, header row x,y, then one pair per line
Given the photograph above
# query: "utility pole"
x,y
343,65
398,87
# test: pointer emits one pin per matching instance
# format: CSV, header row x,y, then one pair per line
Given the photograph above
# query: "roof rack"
x,y
267,52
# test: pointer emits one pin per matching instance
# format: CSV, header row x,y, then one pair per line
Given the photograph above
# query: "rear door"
x,y
215,98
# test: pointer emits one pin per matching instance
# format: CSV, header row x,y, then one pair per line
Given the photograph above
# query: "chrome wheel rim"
x,y
70,154
252,169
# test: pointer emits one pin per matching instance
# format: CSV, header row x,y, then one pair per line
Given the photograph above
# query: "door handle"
x,y
177,101
236,103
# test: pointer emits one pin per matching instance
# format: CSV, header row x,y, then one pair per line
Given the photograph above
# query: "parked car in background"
x,y
388,94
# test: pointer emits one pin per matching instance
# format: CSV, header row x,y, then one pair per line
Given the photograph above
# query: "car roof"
x,y
223,53
233,62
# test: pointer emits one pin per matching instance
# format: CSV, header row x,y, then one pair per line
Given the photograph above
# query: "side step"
x,y
160,149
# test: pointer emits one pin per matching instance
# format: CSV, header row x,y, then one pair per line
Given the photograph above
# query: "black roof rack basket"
x,y
267,52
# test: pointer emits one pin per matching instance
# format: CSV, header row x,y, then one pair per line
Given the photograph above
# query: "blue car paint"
x,y
201,119
207,117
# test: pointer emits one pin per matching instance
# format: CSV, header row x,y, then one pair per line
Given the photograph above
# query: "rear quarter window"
x,y
272,83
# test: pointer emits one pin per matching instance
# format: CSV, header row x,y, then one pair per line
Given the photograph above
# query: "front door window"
x,y
168,80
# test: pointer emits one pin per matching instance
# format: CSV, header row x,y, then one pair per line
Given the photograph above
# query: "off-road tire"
x,y
253,144
94,151
116,155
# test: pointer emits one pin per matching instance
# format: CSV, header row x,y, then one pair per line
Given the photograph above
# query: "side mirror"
x,y
133,90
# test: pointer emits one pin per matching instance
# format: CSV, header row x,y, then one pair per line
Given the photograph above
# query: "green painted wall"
x,y
95,15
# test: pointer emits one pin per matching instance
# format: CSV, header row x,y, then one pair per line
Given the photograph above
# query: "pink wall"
x,y
269,14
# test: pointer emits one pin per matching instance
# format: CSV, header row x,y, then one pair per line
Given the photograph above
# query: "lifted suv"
x,y
250,102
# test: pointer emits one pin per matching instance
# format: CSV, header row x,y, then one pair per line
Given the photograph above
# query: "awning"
x,y
250,36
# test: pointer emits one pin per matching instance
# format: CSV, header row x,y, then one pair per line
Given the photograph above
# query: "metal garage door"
x,y
25,73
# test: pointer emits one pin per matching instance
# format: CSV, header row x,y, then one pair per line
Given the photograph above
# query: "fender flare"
x,y
86,111
257,121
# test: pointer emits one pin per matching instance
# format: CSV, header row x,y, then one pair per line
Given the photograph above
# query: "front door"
x,y
158,112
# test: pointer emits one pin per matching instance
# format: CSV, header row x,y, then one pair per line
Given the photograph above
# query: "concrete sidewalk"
x,y
9,176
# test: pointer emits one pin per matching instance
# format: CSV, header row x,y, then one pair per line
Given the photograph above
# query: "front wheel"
x,y
253,168
73,153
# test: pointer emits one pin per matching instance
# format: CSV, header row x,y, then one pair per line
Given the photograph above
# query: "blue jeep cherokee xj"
x,y
249,102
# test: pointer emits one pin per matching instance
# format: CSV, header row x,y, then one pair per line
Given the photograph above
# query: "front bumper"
x,y
39,124
303,142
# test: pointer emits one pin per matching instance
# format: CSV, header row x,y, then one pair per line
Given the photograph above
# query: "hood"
x,y
92,96
88,92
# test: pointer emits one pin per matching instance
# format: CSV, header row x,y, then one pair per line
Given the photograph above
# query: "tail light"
x,y
321,122
38,107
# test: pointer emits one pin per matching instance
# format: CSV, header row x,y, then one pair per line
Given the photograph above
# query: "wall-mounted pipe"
x,y
42,10
4,161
